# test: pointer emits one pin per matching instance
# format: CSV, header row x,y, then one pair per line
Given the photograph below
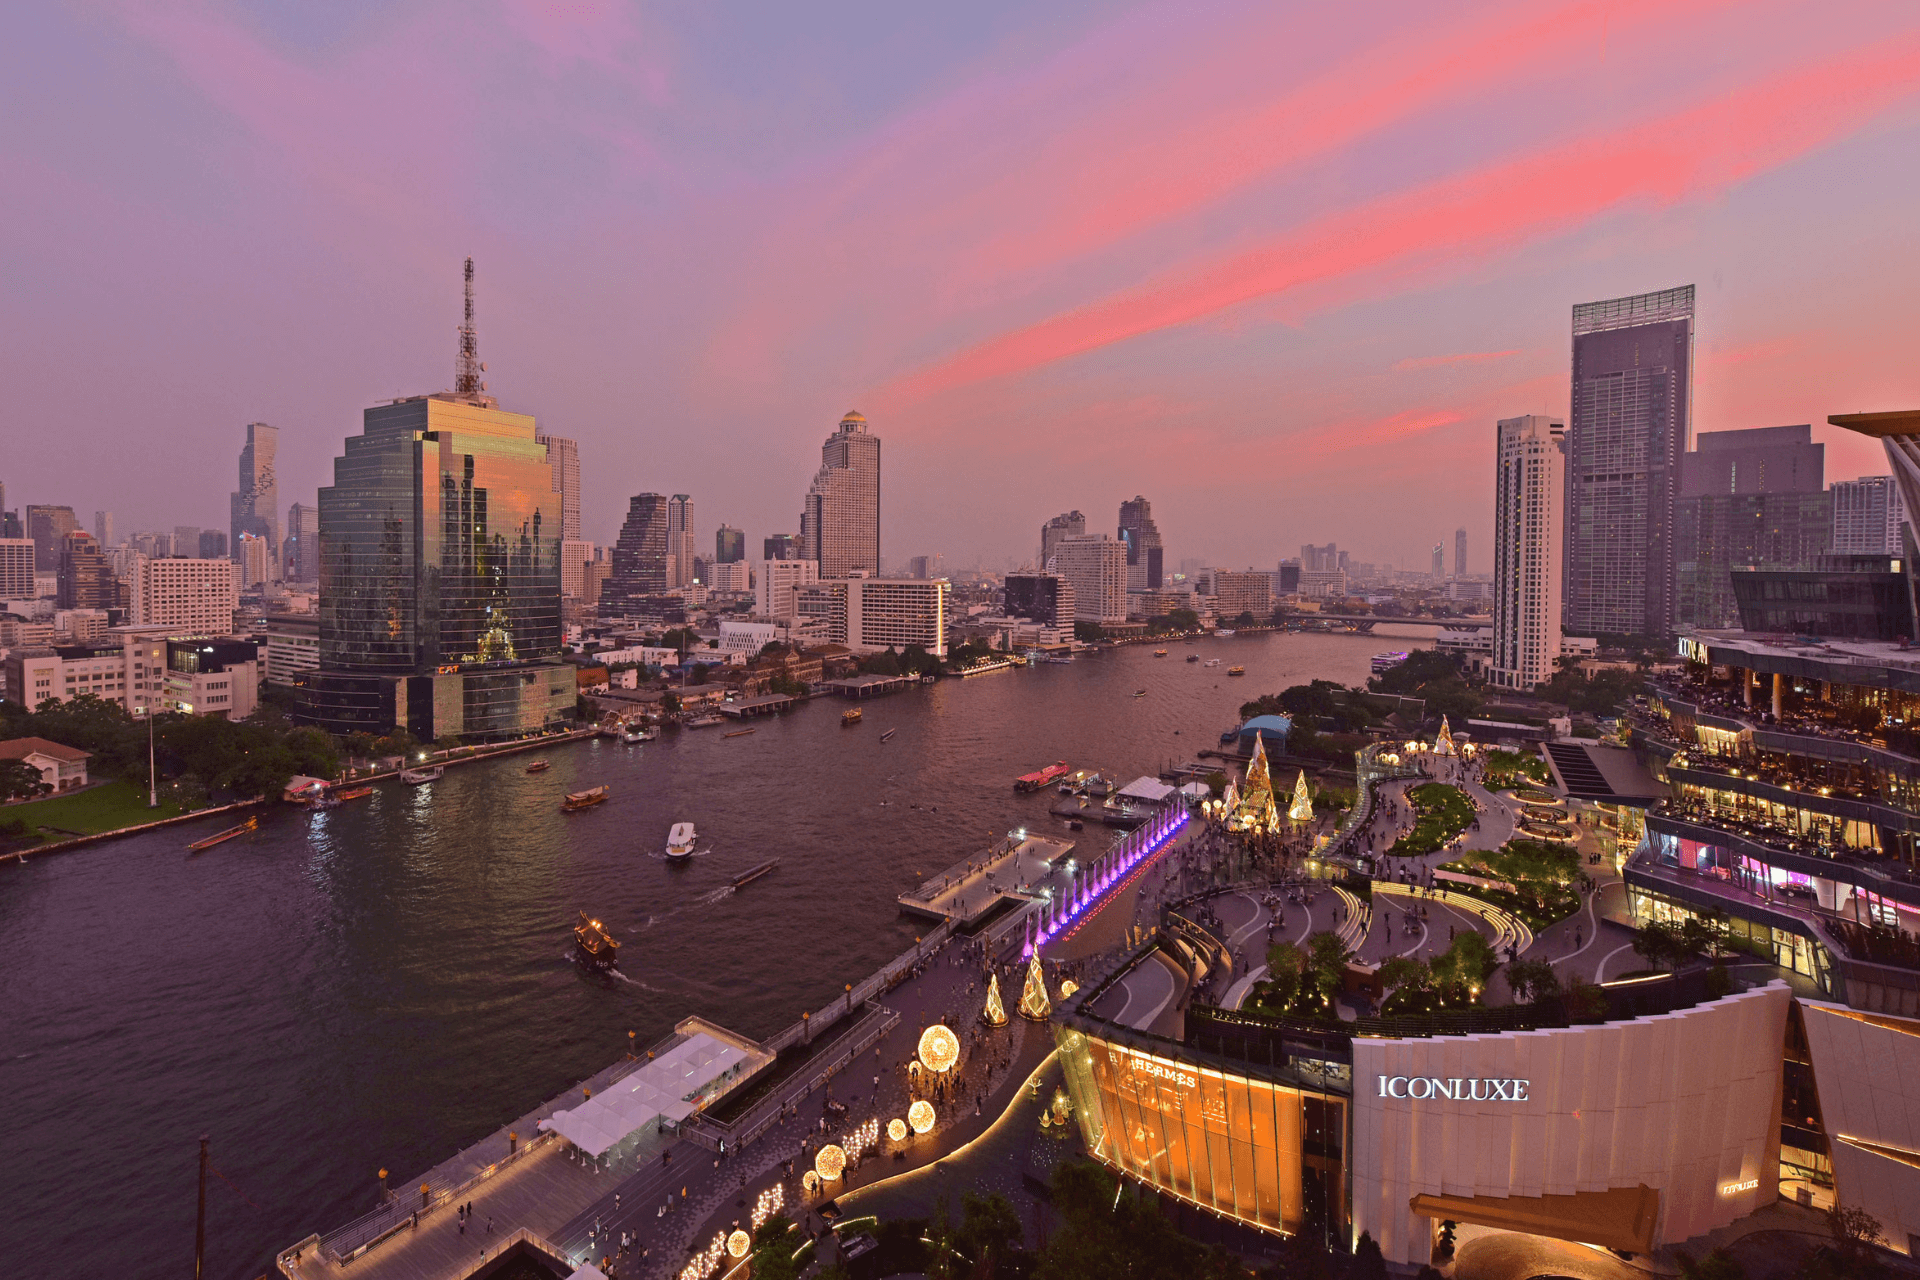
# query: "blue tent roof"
x,y
1267,726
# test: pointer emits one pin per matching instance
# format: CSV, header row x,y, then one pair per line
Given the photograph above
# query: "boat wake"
x,y
724,891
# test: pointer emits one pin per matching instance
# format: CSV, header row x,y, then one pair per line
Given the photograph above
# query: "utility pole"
x,y
200,1223
153,781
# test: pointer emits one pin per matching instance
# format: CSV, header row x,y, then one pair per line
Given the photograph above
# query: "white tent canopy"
x,y
661,1088
1197,790
1145,788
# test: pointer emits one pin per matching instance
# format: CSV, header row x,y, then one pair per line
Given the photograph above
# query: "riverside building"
x,y
1096,567
840,522
1070,524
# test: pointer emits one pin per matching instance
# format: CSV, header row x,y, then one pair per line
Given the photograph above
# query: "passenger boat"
x,y
1193,657
1040,777
680,841
539,766
888,734
251,824
850,717
1139,693
417,776
638,733
737,733
584,799
706,721
1384,662
360,792
748,877
1236,671
1223,632
593,945
1159,653
1213,662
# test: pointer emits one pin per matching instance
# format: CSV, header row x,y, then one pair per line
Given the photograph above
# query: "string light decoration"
x,y
920,1116
707,1261
830,1163
1034,1004
939,1048
856,1143
738,1243
771,1201
809,1182
1068,987
1443,742
995,1014
1061,916
897,1129
1301,810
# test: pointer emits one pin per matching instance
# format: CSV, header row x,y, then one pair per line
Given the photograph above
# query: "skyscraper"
x,y
780,546
256,503
103,528
1096,566
641,566
564,454
440,571
303,543
16,568
729,545
1867,515
213,543
840,525
1528,488
1320,559
1070,525
1748,500
1631,422
1144,552
680,540
49,527
1460,553
87,580
1439,562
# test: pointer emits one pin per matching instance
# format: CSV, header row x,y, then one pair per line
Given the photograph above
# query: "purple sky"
x,y
1276,266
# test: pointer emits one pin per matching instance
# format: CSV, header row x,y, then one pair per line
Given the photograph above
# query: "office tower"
x,y
680,540
1320,559
303,543
1460,553
1867,515
254,556
1069,525
774,584
729,545
1096,565
1286,578
11,526
917,566
780,546
840,525
1748,500
564,454
213,542
641,566
192,597
16,569
1528,488
1144,552
256,503
103,529
49,526
1631,422
440,570
1242,592
87,580
1439,562
1045,598
575,555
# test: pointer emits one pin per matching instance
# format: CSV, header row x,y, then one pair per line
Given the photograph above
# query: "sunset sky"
x,y
1278,267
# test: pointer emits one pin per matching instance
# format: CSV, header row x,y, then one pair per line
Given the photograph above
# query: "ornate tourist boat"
x,y
584,799
593,945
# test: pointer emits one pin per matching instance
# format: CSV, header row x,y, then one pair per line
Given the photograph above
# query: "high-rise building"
x,y
440,571
256,503
897,613
1867,515
213,542
1320,559
1096,566
87,580
1145,562
303,543
729,545
840,525
775,581
1528,488
1631,423
641,565
917,566
1439,562
16,569
49,526
190,597
1045,598
680,539
103,529
1068,525
1748,500
564,454
780,546
1237,593
575,555
254,556
1460,553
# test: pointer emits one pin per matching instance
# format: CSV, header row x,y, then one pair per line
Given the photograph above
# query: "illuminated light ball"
x,y
1068,987
920,1116
738,1243
897,1130
830,1163
939,1048
809,1182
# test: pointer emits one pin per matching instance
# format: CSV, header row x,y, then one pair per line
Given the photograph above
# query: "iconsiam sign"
x,y
1089,885
1255,810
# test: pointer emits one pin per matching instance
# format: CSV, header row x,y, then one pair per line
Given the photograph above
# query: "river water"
x,y
382,984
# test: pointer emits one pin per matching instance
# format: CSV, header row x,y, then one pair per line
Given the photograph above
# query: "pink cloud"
x,y
1412,363
1692,155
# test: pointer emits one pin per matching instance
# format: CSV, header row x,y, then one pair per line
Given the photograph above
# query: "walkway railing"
x,y
764,1114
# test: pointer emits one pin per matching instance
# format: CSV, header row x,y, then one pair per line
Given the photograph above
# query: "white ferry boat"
x,y
1223,632
431,773
680,841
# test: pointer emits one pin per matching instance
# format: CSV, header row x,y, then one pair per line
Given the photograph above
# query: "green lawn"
x,y
1443,813
107,807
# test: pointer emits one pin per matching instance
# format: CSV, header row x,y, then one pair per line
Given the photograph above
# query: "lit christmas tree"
x,y
1033,1001
995,1014
1255,809
1301,810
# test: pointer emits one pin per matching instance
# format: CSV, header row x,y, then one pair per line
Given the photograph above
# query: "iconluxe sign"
x,y
1482,1089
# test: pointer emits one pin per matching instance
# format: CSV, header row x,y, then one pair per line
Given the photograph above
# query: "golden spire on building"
x,y
1033,1001
1255,811
1301,810
995,1014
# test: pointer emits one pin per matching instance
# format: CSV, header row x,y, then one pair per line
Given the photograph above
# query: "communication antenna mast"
x,y
466,369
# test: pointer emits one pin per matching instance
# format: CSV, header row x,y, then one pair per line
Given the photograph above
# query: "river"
x,y
379,985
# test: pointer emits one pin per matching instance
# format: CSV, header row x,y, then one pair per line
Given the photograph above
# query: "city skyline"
x,y
1686,177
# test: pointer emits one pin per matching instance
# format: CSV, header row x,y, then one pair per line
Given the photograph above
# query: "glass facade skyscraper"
x,y
440,576
1145,564
840,524
256,503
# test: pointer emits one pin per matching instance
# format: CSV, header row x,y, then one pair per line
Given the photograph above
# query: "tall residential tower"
x,y
1529,453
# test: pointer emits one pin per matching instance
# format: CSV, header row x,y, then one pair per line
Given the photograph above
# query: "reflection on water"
x,y
376,985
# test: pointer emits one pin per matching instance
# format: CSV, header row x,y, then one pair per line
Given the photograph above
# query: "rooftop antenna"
x,y
467,367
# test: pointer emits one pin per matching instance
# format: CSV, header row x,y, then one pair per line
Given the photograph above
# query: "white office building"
x,y
1529,455
774,583
1096,566
188,597
869,615
16,569
1867,514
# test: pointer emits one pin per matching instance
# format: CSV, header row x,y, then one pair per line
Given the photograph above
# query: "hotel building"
x,y
1529,456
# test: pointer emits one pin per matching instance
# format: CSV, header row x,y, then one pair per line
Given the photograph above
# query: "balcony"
x,y
1798,730
1768,780
1773,845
